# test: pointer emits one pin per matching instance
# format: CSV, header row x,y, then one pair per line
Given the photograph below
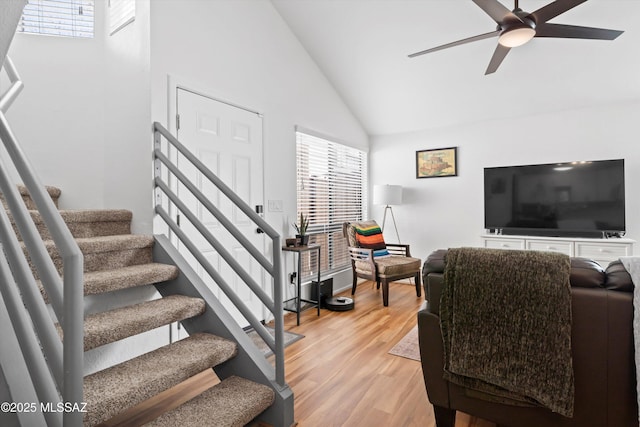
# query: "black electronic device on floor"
x,y
327,300
339,304
326,290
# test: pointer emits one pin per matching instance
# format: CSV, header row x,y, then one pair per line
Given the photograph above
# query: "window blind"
x,y
121,13
331,189
69,18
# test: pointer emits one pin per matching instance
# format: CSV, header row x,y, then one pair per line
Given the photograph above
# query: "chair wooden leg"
x,y
385,292
418,285
445,417
355,283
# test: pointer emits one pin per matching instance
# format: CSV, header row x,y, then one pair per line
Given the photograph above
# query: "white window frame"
x,y
63,18
121,14
331,189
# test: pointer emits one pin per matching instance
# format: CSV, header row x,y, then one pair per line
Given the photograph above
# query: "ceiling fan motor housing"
x,y
516,32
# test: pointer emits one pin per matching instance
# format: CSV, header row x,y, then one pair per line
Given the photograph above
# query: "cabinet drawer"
x,y
606,252
551,246
504,243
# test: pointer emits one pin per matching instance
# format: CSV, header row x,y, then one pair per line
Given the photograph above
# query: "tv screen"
x,y
557,199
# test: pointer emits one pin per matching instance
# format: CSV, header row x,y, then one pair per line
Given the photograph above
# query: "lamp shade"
x,y
387,194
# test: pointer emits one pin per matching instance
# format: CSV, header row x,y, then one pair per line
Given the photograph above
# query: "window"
x,y
121,14
69,18
332,189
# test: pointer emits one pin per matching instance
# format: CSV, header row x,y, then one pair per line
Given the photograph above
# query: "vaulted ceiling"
x,y
362,47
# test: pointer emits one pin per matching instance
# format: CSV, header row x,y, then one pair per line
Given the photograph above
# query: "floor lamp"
x,y
388,195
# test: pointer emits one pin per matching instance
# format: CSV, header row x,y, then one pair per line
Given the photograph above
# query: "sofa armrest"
x,y
433,290
432,358
435,262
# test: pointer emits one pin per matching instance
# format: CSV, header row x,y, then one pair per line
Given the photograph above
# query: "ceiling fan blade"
x,y
554,9
496,10
576,32
457,43
497,58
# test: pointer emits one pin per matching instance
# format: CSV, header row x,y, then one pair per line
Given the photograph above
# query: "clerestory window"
x,y
67,18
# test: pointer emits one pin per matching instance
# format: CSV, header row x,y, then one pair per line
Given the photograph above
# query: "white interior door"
x,y
228,140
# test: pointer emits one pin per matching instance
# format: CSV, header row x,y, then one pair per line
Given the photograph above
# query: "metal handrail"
x,y
273,268
69,308
16,85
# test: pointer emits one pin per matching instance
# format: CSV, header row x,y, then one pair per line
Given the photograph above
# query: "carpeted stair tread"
x,y
232,403
91,223
109,252
119,387
113,243
88,222
53,192
98,282
114,325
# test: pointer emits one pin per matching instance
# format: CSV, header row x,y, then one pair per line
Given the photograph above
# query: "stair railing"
x,y
272,267
55,368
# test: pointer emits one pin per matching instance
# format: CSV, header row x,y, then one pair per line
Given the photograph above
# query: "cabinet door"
x,y
497,243
606,252
551,246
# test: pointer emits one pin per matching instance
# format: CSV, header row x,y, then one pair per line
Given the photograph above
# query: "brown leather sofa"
x,y
602,352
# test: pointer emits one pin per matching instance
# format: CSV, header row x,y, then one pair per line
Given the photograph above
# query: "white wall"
x,y
84,116
128,139
242,52
58,117
449,212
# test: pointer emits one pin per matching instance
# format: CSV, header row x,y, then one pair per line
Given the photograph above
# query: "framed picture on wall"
x,y
437,163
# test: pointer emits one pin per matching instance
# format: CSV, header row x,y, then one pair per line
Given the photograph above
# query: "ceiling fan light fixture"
x,y
514,37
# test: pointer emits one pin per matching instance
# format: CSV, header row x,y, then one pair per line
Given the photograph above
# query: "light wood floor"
x,y
341,373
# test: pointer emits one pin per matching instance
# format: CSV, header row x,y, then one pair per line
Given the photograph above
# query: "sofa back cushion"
x,y
585,273
618,278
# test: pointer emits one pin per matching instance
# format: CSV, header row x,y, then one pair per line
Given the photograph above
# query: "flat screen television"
x,y
577,199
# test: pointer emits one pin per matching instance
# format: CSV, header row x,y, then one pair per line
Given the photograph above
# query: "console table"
x,y
603,251
294,304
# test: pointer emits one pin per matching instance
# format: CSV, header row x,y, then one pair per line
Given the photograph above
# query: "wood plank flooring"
x,y
341,372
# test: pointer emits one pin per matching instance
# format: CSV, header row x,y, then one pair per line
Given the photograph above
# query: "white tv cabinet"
x,y
603,251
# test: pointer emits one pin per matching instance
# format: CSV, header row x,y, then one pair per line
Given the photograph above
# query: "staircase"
x,y
69,257
115,260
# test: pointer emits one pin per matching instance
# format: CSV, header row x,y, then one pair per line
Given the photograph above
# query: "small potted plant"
x,y
301,230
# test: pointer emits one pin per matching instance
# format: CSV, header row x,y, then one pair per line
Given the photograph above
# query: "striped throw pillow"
x,y
370,237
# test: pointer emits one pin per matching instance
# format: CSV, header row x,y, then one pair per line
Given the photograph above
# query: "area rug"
x,y
289,338
408,347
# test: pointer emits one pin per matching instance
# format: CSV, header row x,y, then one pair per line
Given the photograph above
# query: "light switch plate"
x,y
275,205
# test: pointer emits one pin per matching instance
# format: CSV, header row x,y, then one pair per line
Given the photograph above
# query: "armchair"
x,y
375,260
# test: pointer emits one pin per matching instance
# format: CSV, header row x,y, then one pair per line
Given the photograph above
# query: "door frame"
x,y
173,84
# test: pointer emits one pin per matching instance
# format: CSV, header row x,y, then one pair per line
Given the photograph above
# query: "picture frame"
x,y
437,163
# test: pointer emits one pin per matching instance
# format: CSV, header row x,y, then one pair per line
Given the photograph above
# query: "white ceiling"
x,y
362,47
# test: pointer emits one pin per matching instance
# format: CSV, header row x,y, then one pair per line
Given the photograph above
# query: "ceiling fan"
x,y
517,27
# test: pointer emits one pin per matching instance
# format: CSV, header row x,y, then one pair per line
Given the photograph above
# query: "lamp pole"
x,y
384,219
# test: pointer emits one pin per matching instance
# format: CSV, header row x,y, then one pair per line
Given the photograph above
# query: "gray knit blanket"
x,y
632,265
506,326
